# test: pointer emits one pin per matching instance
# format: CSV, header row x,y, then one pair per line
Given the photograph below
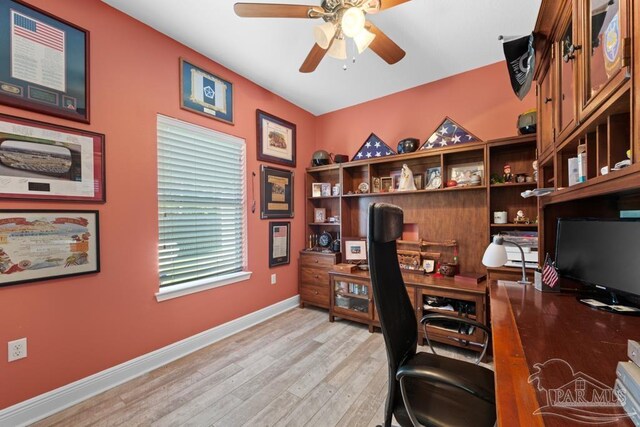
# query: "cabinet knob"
x,y
315,260
547,100
315,292
316,276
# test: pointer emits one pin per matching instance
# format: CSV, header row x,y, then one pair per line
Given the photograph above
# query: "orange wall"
x,y
480,100
79,326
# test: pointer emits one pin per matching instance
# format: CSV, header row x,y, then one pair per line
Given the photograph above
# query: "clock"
x,y
325,239
363,188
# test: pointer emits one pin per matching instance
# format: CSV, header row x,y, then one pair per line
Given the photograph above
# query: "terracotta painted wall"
x,y
481,100
79,326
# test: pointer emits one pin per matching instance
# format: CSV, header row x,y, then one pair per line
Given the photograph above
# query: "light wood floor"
x,y
296,369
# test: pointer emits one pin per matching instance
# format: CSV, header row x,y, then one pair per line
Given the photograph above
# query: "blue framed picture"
x,y
205,93
46,68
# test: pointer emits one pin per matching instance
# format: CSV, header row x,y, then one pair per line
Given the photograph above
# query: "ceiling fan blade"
x,y
259,10
313,59
388,4
386,48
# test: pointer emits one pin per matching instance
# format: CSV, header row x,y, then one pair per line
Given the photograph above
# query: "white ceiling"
x,y
441,38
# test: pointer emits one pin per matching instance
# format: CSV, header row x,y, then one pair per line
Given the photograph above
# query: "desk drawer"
x,y
314,294
314,259
316,276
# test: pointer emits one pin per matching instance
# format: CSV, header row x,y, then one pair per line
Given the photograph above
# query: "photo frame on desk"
x,y
276,192
355,250
48,162
205,93
44,244
47,62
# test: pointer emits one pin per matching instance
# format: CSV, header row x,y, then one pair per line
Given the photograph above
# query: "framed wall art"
x,y
276,139
279,238
47,67
276,192
43,161
41,245
205,93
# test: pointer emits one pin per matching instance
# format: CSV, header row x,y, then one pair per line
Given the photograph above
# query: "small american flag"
x,y
373,147
38,32
549,273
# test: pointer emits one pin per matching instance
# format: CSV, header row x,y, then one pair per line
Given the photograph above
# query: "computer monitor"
x,y
602,253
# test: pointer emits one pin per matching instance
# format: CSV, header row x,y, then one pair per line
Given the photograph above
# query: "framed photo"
x,y
417,179
276,139
41,245
325,190
428,265
316,189
462,173
395,176
276,192
43,161
375,184
386,184
433,178
355,250
279,238
47,67
205,93
319,214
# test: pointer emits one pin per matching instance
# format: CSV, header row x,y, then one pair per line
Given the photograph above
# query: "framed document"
x,y
40,245
47,67
205,93
276,193
43,161
279,234
276,139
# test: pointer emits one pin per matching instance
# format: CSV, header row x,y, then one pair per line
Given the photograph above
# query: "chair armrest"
x,y
436,375
429,318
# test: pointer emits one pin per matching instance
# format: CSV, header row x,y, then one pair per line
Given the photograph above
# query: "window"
x,y
201,210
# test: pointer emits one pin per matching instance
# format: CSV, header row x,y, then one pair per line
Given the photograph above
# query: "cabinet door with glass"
x,y
351,299
566,49
606,54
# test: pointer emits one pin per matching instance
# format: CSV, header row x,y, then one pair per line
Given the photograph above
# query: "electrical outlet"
x,y
273,279
17,349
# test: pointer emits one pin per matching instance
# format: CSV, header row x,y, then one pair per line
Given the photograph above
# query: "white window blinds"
x,y
201,188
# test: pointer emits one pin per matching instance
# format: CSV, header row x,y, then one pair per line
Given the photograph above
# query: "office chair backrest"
x,y
397,317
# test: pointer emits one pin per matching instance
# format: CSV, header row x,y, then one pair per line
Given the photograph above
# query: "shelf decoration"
x,y
373,147
449,133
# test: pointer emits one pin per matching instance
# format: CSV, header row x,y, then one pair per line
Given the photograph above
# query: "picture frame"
x,y
69,247
279,243
47,62
395,176
319,215
325,189
375,184
428,265
355,250
461,173
276,192
433,178
417,180
276,139
204,93
386,184
49,162
316,189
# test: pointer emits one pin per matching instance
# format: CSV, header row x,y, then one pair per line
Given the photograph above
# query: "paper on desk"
x,y
537,192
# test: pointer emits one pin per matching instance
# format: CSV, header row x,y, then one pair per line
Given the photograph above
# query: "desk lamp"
x,y
496,256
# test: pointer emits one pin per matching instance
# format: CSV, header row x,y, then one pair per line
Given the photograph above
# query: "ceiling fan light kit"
x,y
343,18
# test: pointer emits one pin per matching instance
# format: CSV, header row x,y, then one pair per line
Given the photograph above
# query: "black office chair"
x,y
424,389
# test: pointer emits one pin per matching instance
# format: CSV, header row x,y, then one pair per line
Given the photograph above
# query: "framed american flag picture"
x,y
46,68
205,93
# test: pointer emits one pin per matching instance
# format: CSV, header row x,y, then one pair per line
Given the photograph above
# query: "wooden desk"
x,y
531,327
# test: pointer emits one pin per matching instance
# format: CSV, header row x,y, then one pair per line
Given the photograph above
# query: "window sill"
x,y
183,289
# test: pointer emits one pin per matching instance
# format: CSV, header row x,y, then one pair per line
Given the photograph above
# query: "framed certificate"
x,y
276,193
279,235
40,245
46,62
205,93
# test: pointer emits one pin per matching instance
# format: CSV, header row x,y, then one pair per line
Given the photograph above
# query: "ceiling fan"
x,y
343,18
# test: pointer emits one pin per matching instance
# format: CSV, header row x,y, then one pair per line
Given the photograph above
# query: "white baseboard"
x,y
49,403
